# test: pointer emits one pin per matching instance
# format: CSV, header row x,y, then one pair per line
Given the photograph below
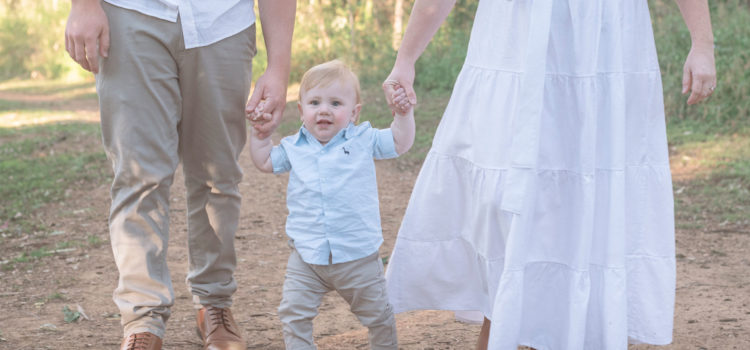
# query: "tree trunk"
x,y
398,24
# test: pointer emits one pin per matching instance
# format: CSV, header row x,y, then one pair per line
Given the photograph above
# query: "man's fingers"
x,y
104,42
255,97
80,55
92,57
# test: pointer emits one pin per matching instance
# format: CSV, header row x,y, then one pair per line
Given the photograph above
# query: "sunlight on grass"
x,y
33,102
47,87
38,92
18,119
49,143
712,183
701,158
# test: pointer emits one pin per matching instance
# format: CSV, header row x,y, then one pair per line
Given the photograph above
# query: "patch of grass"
x,y
721,194
94,241
7,105
33,255
65,244
728,110
70,315
39,163
55,296
46,87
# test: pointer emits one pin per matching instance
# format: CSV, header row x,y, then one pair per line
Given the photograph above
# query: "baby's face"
x,y
326,110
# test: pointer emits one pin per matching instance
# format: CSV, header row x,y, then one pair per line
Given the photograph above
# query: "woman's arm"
x,y
699,71
426,18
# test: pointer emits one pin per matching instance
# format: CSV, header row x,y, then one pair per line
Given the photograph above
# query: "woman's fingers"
x,y
703,85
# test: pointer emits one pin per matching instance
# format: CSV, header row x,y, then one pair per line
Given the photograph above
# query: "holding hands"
x,y
399,100
266,104
399,89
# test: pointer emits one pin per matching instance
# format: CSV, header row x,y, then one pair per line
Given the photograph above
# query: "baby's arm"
x,y
402,126
260,149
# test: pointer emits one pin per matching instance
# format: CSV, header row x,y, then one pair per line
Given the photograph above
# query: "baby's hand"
x,y
401,101
258,116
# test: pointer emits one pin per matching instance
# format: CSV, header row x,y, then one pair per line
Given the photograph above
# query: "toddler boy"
x,y
334,218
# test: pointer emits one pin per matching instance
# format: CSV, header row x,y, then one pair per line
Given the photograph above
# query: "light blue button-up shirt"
x,y
203,22
332,194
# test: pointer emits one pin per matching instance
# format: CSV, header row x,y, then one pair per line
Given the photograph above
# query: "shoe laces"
x,y
220,318
138,342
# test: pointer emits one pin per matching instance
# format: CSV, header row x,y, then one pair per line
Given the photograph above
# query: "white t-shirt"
x,y
203,22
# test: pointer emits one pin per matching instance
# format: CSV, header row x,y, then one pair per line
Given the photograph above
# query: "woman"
x,y
545,203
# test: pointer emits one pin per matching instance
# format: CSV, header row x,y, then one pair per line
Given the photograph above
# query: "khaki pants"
x,y
161,105
359,282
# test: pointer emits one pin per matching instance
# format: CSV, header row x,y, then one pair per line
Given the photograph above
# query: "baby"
x,y
334,219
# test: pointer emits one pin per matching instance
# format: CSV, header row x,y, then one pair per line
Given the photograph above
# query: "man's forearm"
x,y
277,19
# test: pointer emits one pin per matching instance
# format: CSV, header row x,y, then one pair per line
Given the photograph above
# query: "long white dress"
x,y
545,203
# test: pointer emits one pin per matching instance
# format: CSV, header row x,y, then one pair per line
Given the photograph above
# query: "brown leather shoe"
x,y
141,341
218,329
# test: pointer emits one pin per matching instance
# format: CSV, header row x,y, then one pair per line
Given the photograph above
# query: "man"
x,y
173,77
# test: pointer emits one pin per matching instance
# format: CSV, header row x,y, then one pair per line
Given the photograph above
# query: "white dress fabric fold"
x,y
545,203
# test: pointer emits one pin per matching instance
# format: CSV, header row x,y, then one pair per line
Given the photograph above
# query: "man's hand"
x,y
266,105
87,34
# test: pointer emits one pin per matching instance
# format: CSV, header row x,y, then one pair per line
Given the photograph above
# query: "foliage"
x,y
32,40
70,315
363,33
728,110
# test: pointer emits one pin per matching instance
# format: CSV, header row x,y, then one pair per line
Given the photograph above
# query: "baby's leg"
x,y
303,292
362,285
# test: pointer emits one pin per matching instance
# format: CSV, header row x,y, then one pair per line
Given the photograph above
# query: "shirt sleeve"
x,y
279,160
383,145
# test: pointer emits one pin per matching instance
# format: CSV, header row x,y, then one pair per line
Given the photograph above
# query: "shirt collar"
x,y
347,133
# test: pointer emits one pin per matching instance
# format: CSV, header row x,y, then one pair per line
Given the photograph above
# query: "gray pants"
x,y
161,105
359,282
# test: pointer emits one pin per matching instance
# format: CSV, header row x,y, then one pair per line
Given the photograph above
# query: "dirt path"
x,y
713,291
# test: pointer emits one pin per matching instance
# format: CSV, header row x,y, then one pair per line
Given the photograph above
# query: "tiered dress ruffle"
x,y
545,203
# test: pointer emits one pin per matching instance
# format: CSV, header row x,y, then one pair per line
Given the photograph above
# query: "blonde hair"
x,y
327,73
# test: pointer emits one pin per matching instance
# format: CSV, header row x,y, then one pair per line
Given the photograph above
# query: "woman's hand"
x,y
699,74
402,76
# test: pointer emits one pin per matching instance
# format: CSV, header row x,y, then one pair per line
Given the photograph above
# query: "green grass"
x,y
719,194
45,87
728,110
39,163
94,241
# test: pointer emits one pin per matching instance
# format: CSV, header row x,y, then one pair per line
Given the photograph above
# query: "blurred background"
x,y
45,94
